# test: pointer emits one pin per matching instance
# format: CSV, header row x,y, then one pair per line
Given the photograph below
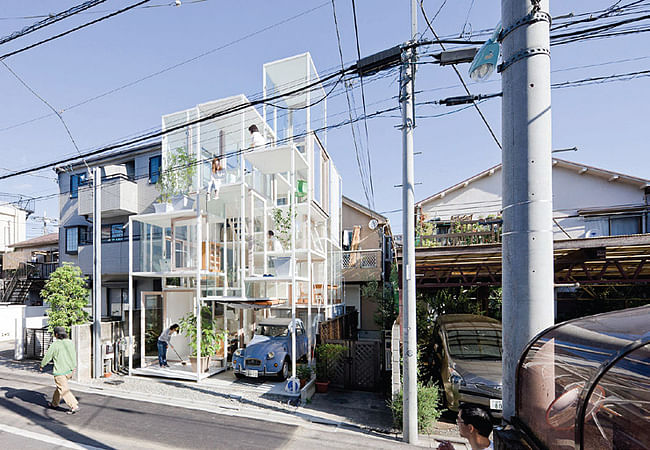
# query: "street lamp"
x,y
486,59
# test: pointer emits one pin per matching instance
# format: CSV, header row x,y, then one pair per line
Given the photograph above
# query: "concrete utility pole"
x,y
526,178
410,397
98,369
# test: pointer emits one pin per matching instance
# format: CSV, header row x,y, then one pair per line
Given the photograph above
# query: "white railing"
x,y
363,259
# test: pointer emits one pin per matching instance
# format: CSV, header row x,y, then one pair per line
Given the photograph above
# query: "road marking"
x,y
45,438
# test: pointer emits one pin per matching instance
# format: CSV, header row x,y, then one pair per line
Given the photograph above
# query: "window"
x,y
130,169
113,233
72,235
619,226
154,168
347,240
74,185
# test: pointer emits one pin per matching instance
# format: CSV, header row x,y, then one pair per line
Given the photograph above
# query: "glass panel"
x,y
316,170
619,407
71,239
625,225
152,323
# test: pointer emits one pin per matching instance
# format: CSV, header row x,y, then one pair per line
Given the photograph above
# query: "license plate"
x,y
496,404
251,373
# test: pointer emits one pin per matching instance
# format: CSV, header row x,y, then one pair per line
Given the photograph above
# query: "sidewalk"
x,y
356,411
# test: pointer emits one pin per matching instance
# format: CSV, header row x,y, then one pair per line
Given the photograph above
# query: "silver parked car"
x,y
468,357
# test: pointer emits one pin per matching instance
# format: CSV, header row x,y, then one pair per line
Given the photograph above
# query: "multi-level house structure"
x,y
600,227
264,243
128,187
367,258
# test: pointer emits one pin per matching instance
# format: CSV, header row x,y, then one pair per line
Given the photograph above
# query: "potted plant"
x,y
176,180
327,356
304,372
283,224
211,338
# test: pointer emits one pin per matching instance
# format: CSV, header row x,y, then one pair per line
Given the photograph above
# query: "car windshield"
x,y
474,344
271,330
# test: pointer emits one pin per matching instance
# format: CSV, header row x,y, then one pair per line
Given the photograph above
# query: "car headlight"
x,y
270,355
456,380
238,352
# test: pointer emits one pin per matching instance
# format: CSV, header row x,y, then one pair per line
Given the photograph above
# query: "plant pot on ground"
x,y
212,339
304,373
327,358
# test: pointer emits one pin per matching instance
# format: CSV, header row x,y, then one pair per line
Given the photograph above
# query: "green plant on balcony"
x,y
283,223
178,175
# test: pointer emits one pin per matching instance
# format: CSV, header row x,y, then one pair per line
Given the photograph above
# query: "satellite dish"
x,y
373,224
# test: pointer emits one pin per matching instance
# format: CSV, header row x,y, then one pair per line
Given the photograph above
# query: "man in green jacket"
x,y
62,352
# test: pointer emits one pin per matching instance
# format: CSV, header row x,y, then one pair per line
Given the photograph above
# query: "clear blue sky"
x,y
607,122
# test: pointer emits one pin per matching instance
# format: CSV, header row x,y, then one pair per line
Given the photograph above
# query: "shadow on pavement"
x,y
11,402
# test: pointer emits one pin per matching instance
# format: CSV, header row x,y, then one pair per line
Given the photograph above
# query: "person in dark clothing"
x,y
164,340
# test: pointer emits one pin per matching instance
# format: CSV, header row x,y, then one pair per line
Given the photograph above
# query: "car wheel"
x,y
283,374
239,375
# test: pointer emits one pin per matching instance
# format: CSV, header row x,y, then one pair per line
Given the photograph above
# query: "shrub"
x,y
428,408
66,293
304,372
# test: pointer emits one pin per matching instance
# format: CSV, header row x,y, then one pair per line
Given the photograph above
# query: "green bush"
x,y
304,372
327,355
428,407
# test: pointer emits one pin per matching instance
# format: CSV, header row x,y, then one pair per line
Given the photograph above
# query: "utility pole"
x,y
410,391
98,363
526,182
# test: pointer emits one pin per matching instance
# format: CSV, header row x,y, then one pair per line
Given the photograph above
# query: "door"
x,y
151,323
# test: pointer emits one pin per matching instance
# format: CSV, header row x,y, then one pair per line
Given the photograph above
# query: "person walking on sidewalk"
x,y
64,356
164,340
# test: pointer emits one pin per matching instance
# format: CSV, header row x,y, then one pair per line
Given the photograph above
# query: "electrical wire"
x,y
460,77
171,67
362,175
65,33
50,19
45,102
363,100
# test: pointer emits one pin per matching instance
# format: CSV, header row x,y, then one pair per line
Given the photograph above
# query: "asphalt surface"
x,y
115,423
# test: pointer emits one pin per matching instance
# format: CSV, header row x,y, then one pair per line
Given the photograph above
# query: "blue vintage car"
x,y
269,352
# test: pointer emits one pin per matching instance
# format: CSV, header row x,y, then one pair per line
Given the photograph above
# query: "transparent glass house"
x,y
585,384
213,253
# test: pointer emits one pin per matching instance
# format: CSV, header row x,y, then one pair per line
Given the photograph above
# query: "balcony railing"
x,y
362,259
461,233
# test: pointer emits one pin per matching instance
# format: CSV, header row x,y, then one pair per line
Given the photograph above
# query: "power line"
x,y
211,116
363,100
172,67
347,95
15,52
460,77
44,101
50,19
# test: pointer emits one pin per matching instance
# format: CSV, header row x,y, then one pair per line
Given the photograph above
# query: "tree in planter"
x,y
212,339
178,175
327,355
66,293
283,223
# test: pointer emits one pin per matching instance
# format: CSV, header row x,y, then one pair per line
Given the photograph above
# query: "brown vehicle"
x,y
468,358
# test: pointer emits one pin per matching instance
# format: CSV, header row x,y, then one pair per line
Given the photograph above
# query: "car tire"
x,y
283,374
239,375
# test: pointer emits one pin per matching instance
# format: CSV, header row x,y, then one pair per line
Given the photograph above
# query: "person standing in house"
x,y
164,340
64,356
257,140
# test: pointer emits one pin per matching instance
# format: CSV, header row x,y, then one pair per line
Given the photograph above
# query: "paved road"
x,y
108,422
